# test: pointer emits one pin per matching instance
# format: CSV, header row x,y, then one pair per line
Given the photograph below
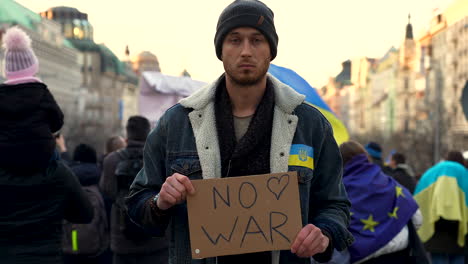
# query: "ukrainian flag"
x,y
301,86
301,155
442,191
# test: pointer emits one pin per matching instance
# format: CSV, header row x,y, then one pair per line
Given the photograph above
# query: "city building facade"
x,y
105,80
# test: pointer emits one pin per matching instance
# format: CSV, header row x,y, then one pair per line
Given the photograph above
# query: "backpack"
x,y
131,162
88,239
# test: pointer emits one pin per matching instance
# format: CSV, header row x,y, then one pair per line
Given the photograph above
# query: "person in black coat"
x,y
401,172
29,113
36,189
85,167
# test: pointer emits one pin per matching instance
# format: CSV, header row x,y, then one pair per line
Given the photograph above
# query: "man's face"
x,y
246,55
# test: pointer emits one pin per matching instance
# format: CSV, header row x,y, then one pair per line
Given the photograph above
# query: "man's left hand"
x,y
309,241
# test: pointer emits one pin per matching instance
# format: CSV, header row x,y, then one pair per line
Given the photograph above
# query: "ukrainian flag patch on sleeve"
x,y
301,155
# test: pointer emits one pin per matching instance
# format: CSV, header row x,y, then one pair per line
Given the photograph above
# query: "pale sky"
x,y
314,36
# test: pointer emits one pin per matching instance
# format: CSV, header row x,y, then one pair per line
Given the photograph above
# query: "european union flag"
x,y
380,207
301,86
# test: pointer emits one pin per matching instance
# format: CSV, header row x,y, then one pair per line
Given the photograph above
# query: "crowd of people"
x,y
129,204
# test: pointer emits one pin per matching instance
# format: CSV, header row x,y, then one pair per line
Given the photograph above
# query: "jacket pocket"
x,y
304,175
188,167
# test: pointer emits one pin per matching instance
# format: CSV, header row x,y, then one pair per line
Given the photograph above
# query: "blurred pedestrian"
x,y
384,215
129,243
441,194
114,143
28,111
36,189
402,172
375,153
86,243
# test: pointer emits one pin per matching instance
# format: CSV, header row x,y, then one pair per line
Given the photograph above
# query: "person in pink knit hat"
x,y
29,113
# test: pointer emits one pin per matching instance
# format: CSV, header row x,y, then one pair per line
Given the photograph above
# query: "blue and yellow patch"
x,y
301,155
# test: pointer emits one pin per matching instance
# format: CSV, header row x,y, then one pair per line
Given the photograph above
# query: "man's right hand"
x,y
174,191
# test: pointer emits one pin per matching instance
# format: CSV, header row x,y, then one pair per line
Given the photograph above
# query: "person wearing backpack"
x,y
129,242
86,243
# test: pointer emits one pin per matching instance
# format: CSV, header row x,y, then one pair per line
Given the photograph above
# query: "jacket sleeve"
x,y
108,181
53,111
329,201
148,183
78,208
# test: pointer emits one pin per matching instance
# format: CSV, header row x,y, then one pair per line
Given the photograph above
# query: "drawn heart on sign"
x,y
277,185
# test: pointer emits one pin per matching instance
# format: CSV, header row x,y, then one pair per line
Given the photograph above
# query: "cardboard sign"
x,y
247,214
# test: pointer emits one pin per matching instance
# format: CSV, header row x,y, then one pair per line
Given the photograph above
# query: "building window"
x,y
68,30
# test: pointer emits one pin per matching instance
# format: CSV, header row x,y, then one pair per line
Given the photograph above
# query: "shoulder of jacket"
x,y
310,113
174,114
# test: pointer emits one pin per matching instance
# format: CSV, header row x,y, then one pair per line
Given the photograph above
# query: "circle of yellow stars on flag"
x,y
370,223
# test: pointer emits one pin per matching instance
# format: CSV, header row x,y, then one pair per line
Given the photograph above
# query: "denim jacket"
x,y
185,141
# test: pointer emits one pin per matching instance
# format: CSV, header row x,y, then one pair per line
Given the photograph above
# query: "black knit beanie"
x,y
246,13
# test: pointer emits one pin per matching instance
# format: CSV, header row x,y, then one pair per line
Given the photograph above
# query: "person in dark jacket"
x,y
29,113
113,143
85,167
247,122
401,172
126,250
36,189
34,204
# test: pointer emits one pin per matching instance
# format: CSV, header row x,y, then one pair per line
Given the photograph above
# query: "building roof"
x,y
13,13
84,44
110,62
344,77
156,82
62,13
409,29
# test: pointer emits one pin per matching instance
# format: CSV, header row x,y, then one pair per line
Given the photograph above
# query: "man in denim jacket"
x,y
245,123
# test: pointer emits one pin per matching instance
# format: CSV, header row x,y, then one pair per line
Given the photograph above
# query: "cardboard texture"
x,y
239,215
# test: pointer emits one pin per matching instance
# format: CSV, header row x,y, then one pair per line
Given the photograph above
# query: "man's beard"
x,y
248,80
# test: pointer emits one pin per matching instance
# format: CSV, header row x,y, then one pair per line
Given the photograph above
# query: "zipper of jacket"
x,y
228,169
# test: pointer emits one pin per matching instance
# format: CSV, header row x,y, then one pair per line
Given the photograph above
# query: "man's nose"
x,y
246,48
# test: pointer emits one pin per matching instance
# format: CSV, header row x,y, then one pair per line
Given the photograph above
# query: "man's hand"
x,y
174,191
309,241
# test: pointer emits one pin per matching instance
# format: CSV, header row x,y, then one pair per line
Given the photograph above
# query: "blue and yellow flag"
x,y
442,191
301,155
301,86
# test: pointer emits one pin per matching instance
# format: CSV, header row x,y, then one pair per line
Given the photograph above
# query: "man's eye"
x,y
235,40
